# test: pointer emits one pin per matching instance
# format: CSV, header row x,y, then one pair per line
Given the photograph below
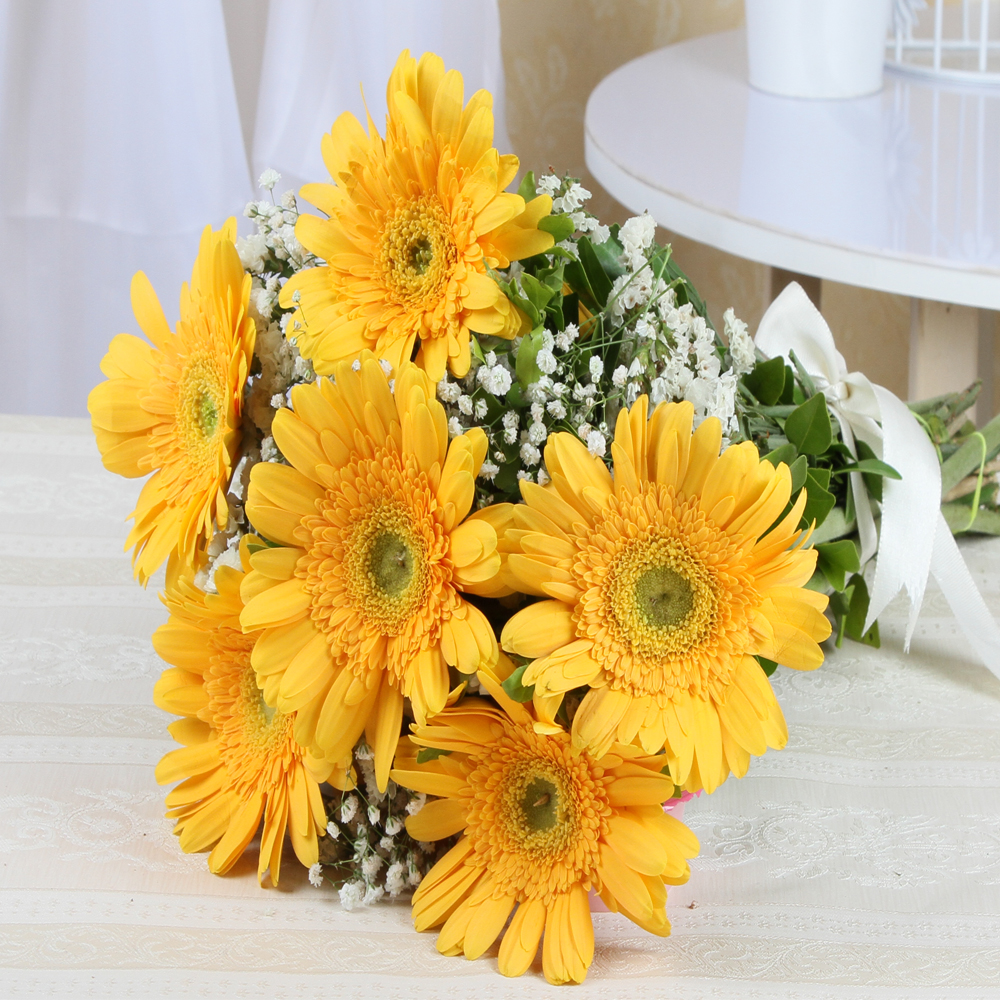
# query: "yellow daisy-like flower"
x,y
361,603
174,408
414,220
663,580
239,762
542,824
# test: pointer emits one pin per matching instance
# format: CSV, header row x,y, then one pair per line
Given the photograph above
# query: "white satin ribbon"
x,y
914,540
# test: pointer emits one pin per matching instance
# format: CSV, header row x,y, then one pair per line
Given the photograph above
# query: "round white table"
x,y
898,192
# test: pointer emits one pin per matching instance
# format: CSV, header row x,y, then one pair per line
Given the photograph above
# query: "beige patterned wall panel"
x,y
556,52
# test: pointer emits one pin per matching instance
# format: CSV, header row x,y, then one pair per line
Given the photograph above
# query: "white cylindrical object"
x,y
817,48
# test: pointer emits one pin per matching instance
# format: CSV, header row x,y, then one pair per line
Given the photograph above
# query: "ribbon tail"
x,y
867,534
910,509
963,597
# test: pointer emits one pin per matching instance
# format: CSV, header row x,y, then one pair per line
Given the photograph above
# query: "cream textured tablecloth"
x,y
861,862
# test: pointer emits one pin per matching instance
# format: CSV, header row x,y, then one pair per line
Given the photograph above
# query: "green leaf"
x,y
609,253
768,666
785,453
958,515
821,476
799,470
560,226
788,393
599,281
855,620
836,560
425,754
808,426
820,501
506,479
873,483
836,525
872,466
767,380
527,190
525,365
537,293
515,690
577,279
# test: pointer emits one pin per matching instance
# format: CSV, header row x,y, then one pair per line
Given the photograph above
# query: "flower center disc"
x,y
417,254
386,571
391,564
660,597
540,805
663,597
201,402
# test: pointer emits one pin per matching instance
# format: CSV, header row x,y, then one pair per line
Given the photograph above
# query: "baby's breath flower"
x,y
351,895
596,444
268,179
546,361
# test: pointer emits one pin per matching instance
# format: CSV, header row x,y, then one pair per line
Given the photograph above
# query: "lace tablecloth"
x,y
863,861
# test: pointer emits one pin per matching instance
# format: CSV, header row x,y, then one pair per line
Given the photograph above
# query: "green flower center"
x,y
663,597
540,805
391,564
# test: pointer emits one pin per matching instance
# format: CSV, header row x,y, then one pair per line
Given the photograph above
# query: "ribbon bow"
x,y
914,540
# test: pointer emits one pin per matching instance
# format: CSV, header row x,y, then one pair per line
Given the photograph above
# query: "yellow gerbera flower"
x,y
361,604
414,221
174,408
662,588
239,760
543,823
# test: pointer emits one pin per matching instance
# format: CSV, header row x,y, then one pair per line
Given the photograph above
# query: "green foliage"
x,y
425,754
561,227
597,278
850,607
836,560
767,381
768,666
527,190
799,470
516,691
783,453
526,364
808,426
819,500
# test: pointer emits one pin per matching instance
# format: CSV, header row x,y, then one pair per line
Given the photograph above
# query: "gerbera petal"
x,y
540,629
438,819
521,940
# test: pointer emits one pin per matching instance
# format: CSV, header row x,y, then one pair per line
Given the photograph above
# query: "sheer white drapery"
x,y
120,139
318,52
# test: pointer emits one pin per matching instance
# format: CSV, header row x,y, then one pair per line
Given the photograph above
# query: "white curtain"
x,y
320,54
120,139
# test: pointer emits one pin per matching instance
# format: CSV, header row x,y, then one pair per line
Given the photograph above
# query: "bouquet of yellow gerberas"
x,y
473,561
